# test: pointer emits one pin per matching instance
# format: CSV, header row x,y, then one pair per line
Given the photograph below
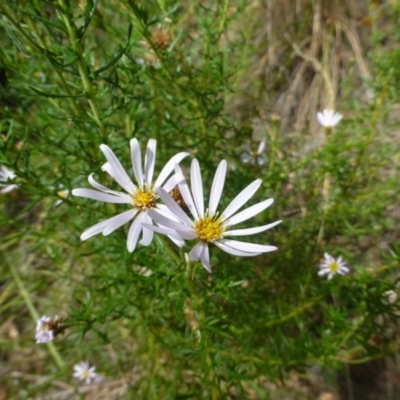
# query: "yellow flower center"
x,y
209,229
63,194
254,154
85,374
333,266
144,199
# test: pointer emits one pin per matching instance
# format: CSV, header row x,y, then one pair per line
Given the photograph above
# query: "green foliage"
x,y
78,74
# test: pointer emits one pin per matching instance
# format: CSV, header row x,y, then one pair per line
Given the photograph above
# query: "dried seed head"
x,y
161,38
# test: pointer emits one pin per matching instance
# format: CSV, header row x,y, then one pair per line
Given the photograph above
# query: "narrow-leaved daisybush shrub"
x,y
201,199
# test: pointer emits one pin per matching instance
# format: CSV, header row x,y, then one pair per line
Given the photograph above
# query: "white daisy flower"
x,y
329,118
141,197
144,271
84,372
332,267
6,175
209,226
253,157
46,328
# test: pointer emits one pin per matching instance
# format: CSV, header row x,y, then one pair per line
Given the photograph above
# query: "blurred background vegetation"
x,y
205,77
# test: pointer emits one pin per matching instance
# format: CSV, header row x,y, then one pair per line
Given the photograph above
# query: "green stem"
x,y
209,369
293,314
222,22
25,295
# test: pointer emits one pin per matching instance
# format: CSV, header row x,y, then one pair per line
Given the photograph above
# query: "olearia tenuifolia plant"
x,y
129,210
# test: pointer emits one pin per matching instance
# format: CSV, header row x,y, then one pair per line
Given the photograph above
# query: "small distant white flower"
x,y
141,197
253,157
6,175
209,226
332,267
84,372
329,118
63,193
45,328
390,297
144,271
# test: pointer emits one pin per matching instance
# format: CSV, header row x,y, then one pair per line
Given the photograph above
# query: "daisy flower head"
x,y
252,157
5,176
329,118
47,328
208,226
84,372
141,197
329,266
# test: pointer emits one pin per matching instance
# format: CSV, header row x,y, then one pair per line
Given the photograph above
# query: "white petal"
x,y
95,229
149,161
8,188
173,207
197,187
248,247
261,147
246,158
122,198
102,188
119,220
147,233
241,198
173,181
172,235
196,252
323,272
205,259
177,240
185,232
187,197
107,168
136,157
98,185
328,258
321,118
160,217
249,212
234,252
168,168
260,160
159,229
217,187
182,230
134,232
251,231
120,174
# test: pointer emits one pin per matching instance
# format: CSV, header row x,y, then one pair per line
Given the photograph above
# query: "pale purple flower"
x,y
141,197
251,156
84,372
329,118
330,266
210,226
5,176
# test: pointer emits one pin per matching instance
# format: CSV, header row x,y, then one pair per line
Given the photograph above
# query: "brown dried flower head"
x,y
161,37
